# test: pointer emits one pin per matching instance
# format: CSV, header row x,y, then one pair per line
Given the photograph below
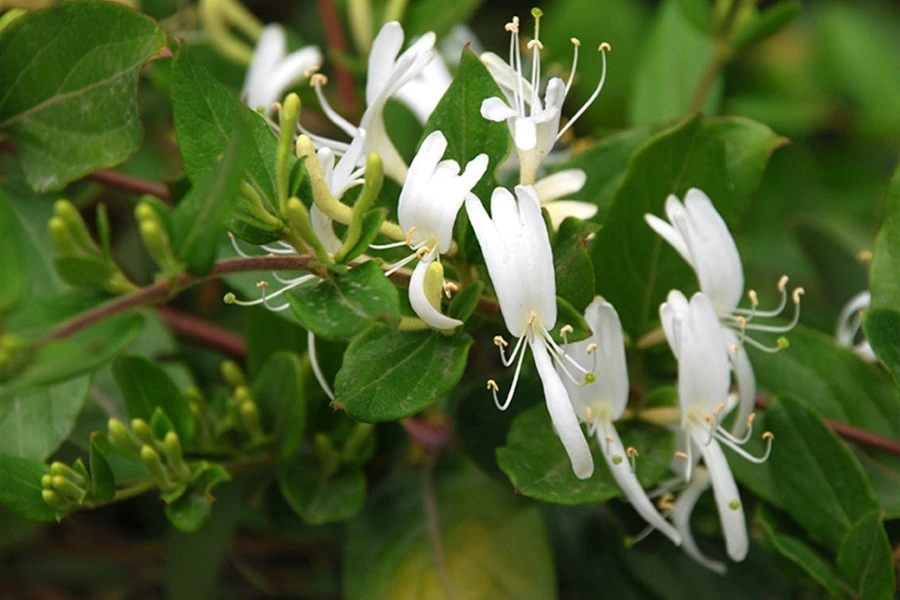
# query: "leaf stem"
x,y
722,54
196,329
130,184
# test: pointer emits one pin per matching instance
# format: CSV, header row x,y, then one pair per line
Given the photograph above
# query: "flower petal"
x,y
560,184
628,481
681,518
746,381
559,210
703,369
524,133
268,52
671,314
612,382
382,58
495,109
535,258
728,499
561,414
418,299
322,225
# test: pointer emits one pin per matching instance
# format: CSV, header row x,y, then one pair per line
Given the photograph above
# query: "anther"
x,y
681,455
796,295
534,43
276,107
750,419
741,322
591,348
864,256
604,47
566,330
719,408
532,317
735,348
409,235
421,252
499,341
754,299
450,287
512,26
311,70
492,385
768,435
632,452
588,414
576,42
782,283
262,284
666,501
318,79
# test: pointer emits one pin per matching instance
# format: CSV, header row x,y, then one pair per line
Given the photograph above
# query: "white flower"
x,y
534,124
700,236
602,401
423,93
271,73
431,197
849,323
552,190
681,519
517,252
696,338
389,70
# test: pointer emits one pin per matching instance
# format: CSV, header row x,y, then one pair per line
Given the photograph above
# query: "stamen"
x,y
389,246
271,250
422,252
769,438
591,348
314,363
311,70
632,454
276,107
603,49
576,44
512,26
666,501
864,256
754,299
512,389
400,264
782,283
237,248
681,455
782,344
492,385
512,357
564,331
317,81
450,288
499,341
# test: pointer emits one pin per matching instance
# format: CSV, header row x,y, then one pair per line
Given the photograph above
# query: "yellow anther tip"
x,y
262,284
492,385
797,293
604,47
681,455
768,435
311,70
632,452
499,341
576,41
318,79
782,283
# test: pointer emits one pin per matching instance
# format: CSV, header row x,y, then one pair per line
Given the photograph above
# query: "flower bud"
x,y
63,470
122,437
232,374
153,462
67,489
54,499
142,431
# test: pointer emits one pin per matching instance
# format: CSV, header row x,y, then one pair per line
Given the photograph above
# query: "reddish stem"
x,y
197,330
335,36
130,184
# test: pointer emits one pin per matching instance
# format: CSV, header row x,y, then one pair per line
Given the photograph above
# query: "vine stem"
x,y
163,290
198,330
134,185
335,36
722,54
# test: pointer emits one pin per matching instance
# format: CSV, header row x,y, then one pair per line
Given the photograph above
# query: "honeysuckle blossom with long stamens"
x,y
431,197
534,124
516,249
602,401
696,338
272,71
699,234
389,70
849,323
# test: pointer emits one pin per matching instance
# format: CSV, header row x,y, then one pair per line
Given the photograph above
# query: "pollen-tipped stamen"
x,y
318,81
603,49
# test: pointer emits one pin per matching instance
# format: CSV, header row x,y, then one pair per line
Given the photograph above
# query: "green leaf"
x,y
492,544
68,88
842,387
833,492
35,422
83,271
566,314
388,375
102,478
341,307
458,116
465,302
538,466
84,352
371,223
698,12
865,559
190,511
206,115
675,56
605,164
12,265
572,263
438,16
20,488
883,330
199,218
278,390
321,498
765,24
801,554
146,387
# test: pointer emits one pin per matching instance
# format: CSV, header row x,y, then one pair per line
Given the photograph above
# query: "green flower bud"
x,y
76,229
232,374
47,481
54,500
121,436
63,470
153,462
298,219
142,431
67,489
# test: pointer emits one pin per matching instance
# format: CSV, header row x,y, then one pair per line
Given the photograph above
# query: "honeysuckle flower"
x,y
699,234
696,338
682,509
389,70
849,323
535,125
552,190
422,93
431,197
272,71
602,401
516,249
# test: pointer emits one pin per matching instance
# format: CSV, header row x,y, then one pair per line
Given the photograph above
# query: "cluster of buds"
x,y
67,488
158,448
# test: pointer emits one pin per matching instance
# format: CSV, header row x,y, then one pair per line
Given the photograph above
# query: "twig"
x,y
335,36
131,184
721,55
433,519
196,329
853,434
430,436
161,291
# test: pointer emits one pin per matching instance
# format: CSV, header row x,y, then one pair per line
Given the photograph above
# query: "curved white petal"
x,y
715,254
671,315
681,518
670,234
746,381
495,109
560,408
505,76
268,52
536,258
322,225
728,499
555,94
525,133
420,304
382,57
612,381
291,70
560,184
559,210
703,369
628,481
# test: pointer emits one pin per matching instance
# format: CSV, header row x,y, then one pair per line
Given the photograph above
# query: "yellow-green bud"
x,y
153,462
144,212
433,285
121,436
326,453
66,488
63,470
232,374
299,221
75,227
142,431
172,446
47,481
59,235
54,500
241,395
